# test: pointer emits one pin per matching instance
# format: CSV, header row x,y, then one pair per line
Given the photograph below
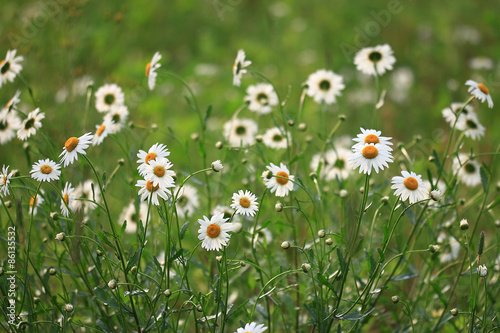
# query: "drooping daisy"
x,y
240,132
374,60
9,124
410,186
86,195
45,170
12,103
157,150
35,202
280,181
440,186
261,98
10,67
187,200
214,232
245,203
376,156
275,138
371,136
5,181
108,96
102,131
130,215
473,128
252,328
68,199
324,86
149,192
73,146
151,68
239,67
450,115
480,91
31,124
468,170
158,172
117,116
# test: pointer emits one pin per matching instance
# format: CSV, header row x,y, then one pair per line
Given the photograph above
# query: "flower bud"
x,y
219,145
433,248
112,284
243,264
306,267
285,245
167,293
343,193
195,136
436,195
121,162
302,127
482,270
395,299
69,308
217,166
278,207
154,126
291,123
321,233
454,312
61,237
328,241
464,225
52,271
133,270
199,308
259,138
218,258
342,117
8,203
54,216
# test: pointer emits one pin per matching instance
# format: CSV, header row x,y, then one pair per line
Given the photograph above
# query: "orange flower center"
x,y
213,230
284,180
244,202
411,183
483,89
100,130
4,180
148,68
66,198
149,157
71,144
371,138
159,171
46,169
149,186
33,201
369,152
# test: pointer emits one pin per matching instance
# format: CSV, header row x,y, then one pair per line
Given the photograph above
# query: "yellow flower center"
x,y
159,171
284,180
149,157
371,138
100,130
66,198
149,186
411,183
46,169
483,89
369,152
71,144
244,202
148,68
4,180
213,230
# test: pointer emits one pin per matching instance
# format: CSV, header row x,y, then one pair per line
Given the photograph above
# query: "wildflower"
x,y
69,308
187,200
102,131
252,328
468,170
395,299
409,186
9,124
436,195
334,164
281,182
217,166
73,146
245,203
473,128
35,202
157,171
278,207
371,136
464,224
434,248
214,232
31,124
10,67
167,293
149,192
157,150
321,233
108,96
68,199
324,86
61,236
112,284
12,103
450,115
5,181
370,156
261,98
482,270
306,267
88,195
45,170
454,312
329,241
480,91
238,68
240,132
375,60
117,117
275,138
151,68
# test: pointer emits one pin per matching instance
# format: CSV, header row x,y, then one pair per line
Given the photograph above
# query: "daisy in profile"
x,y
68,199
450,115
480,91
473,128
74,146
151,68
12,103
158,172
187,200
468,170
149,192
240,132
245,203
9,124
108,96
410,186
35,202
324,86
375,60
31,124
239,67
440,186
370,156
5,177
275,138
157,150
86,195
130,215
252,328
371,136
117,116
261,98
214,232
10,67
45,170
279,181
102,131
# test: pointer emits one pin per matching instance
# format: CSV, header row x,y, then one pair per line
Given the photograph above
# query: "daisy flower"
x,y
35,202
281,181
371,136
450,115
31,124
108,96
374,60
227,211
370,155
261,98
87,197
117,116
68,199
157,172
12,103
151,68
130,215
440,186
324,86
410,186
157,150
238,68
214,232
245,203
240,132
5,181
102,131
147,191
45,170
9,124
334,164
473,128
275,138
10,67
252,328
187,200
480,91
451,248
73,146
468,170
